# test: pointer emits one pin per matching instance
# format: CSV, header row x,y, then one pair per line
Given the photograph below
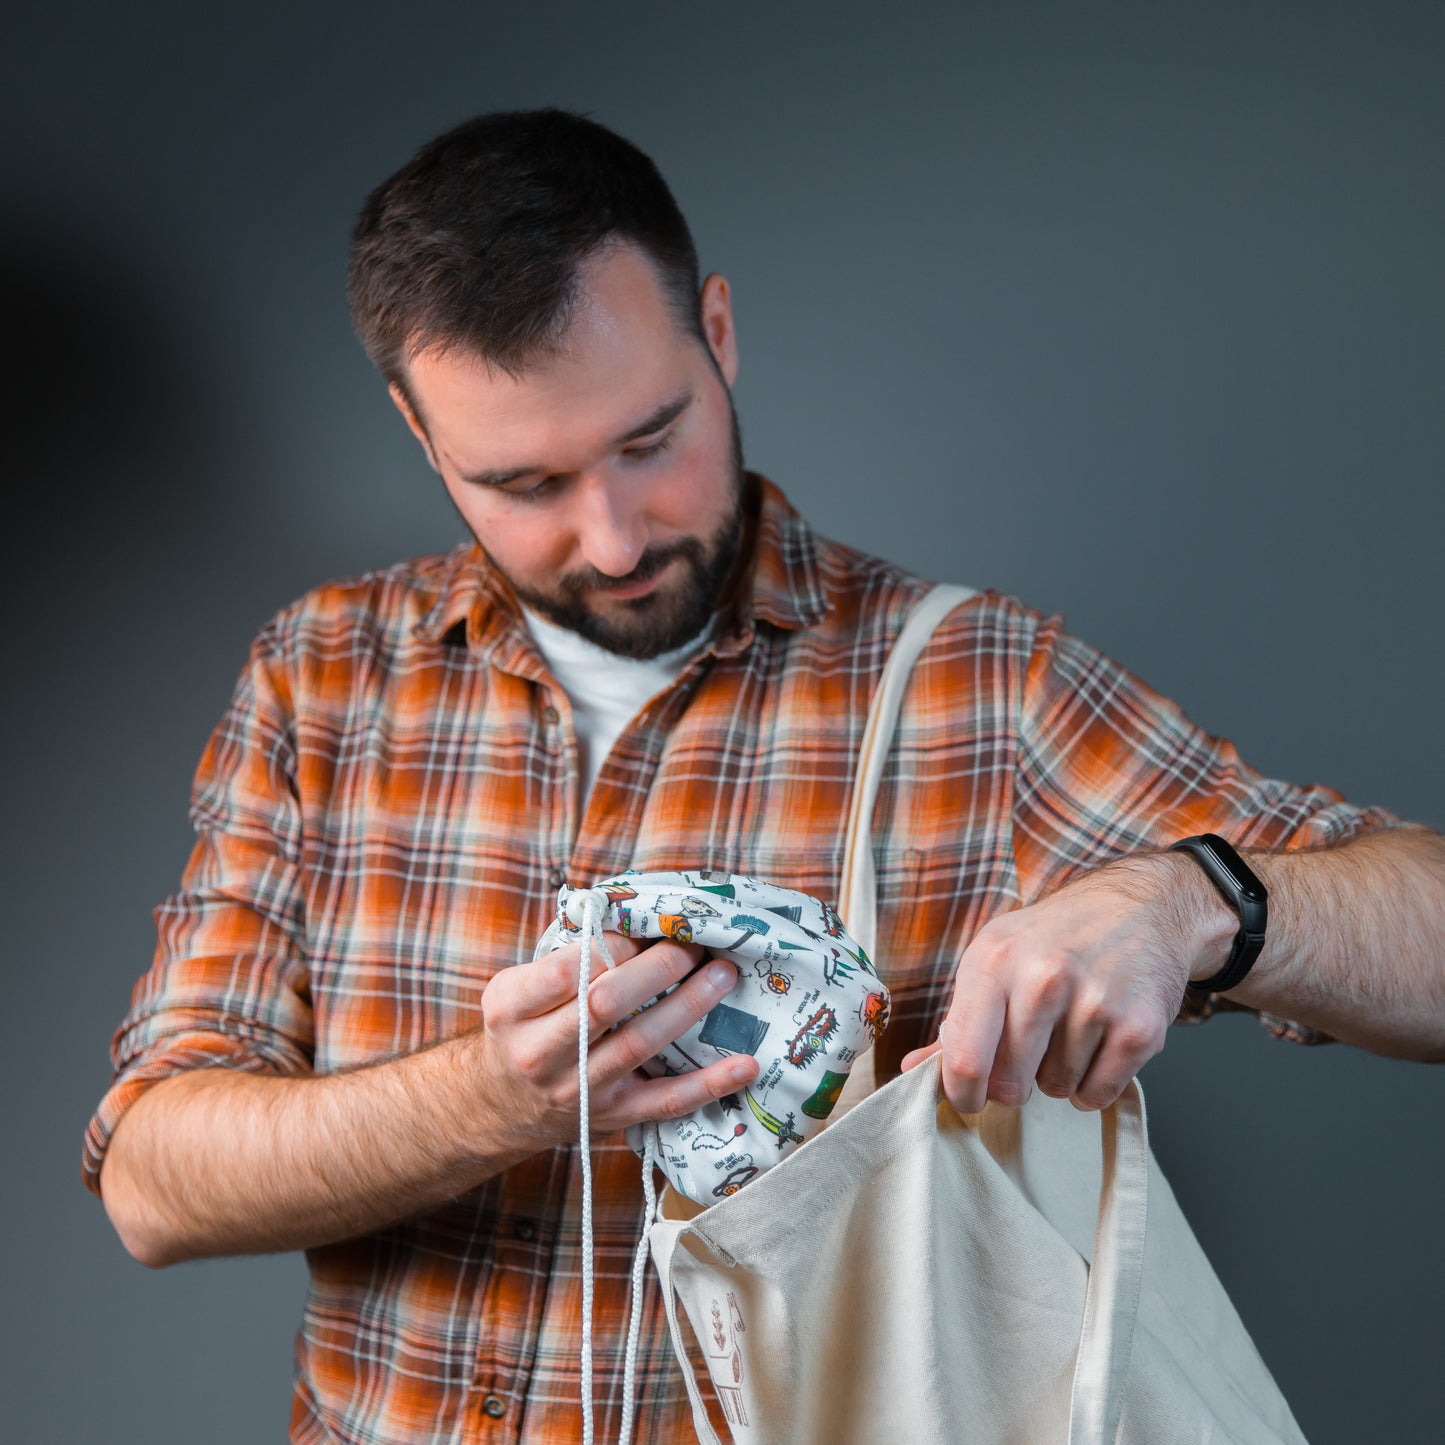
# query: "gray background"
x,y
1133,312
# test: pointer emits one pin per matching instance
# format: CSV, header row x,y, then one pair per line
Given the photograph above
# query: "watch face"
x,y
1249,886
1231,874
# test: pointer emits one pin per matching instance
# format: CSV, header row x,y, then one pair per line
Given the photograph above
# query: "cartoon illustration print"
x,y
703,1140
725,1360
782,1129
675,927
820,1103
812,1039
674,1161
617,891
735,1181
709,880
773,979
874,1013
695,907
748,922
775,951
791,911
834,969
732,1030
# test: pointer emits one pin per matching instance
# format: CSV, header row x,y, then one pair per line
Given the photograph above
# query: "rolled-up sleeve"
x,y
229,984
1108,767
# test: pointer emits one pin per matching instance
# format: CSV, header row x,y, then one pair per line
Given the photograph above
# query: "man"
x,y
646,660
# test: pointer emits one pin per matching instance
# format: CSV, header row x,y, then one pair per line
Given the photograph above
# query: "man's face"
x,y
605,483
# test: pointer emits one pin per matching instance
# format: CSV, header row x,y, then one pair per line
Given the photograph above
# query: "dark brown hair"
x,y
476,241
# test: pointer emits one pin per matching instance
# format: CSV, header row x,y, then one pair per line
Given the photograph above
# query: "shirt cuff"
x,y
181,1052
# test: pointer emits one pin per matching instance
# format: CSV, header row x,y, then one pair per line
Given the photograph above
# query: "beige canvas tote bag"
x,y
914,1275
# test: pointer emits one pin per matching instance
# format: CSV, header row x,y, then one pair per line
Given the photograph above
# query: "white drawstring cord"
x,y
585,909
639,1266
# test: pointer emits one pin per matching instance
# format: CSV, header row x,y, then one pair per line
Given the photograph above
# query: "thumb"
x,y
912,1060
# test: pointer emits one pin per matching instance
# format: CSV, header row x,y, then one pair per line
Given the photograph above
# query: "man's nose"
x,y
612,531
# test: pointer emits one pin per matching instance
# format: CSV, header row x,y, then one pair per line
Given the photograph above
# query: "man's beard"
x,y
662,621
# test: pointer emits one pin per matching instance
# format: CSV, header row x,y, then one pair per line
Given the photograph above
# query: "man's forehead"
x,y
621,358
483,419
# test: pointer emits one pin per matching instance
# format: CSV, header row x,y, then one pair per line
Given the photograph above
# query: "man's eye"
x,y
532,493
652,449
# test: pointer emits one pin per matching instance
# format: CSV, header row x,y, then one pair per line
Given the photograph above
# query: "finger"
x,y
1126,1048
914,1057
1020,1047
1038,1002
634,985
640,1038
970,1038
532,990
682,1094
1070,1053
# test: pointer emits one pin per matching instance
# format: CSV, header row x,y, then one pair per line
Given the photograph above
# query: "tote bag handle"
x,y
1116,1276
858,892
858,895
664,1239
1116,1272
857,898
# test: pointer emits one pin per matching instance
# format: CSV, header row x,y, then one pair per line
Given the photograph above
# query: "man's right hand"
x,y
223,1161
530,1039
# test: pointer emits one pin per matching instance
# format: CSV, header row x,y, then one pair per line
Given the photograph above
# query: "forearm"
x,y
1356,942
220,1162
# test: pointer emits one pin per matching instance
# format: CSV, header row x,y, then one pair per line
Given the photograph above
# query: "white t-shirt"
x,y
606,691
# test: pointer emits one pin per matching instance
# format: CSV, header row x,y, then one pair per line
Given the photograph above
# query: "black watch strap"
x,y
1247,895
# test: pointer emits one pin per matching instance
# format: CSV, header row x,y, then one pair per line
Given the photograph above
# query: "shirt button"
x,y
524,1229
556,878
550,716
494,1406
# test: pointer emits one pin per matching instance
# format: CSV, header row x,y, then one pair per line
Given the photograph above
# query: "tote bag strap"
x,y
857,905
1116,1273
858,895
664,1237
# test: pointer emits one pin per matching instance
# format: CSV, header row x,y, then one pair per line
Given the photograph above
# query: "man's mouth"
x,y
639,587
635,589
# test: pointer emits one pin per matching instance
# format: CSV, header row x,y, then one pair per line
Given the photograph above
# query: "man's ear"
x,y
716,313
404,406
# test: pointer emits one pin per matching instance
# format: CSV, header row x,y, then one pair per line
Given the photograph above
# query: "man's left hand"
x,y
1078,990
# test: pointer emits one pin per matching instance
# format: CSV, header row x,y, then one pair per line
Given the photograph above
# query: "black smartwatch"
x,y
1247,895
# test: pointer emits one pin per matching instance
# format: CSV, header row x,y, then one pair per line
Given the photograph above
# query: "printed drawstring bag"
x,y
806,1005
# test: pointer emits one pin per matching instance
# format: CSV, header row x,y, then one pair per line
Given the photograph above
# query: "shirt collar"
x,y
783,585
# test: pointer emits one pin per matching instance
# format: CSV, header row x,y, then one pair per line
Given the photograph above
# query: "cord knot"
x,y
582,900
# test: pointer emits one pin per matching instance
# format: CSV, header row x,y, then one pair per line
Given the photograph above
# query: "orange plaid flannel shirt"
x,y
387,807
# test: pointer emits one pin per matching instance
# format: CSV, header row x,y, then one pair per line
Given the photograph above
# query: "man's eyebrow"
x,y
669,411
